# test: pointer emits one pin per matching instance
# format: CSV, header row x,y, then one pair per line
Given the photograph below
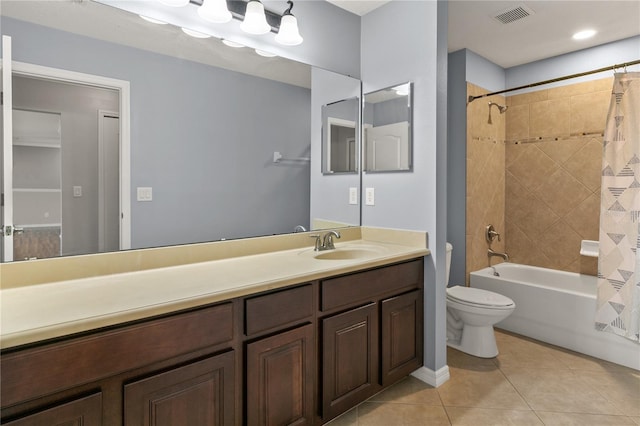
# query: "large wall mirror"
x,y
387,129
206,122
340,136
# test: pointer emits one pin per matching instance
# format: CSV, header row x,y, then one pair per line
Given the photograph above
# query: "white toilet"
x,y
471,314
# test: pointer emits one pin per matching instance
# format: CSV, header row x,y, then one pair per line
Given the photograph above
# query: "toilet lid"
x,y
478,296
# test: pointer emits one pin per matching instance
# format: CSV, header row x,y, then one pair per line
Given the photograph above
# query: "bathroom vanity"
x,y
300,349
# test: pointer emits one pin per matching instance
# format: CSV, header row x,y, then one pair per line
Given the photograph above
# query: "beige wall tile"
x,y
527,98
585,218
563,244
562,192
589,112
532,170
561,150
550,118
586,164
517,122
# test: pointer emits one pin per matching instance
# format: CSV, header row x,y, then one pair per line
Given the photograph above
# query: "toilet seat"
x,y
477,297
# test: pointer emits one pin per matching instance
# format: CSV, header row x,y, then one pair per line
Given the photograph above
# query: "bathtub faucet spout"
x,y
492,253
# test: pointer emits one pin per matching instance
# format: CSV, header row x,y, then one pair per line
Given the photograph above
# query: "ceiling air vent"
x,y
513,14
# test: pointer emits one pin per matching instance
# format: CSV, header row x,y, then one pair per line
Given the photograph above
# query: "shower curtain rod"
x,y
553,80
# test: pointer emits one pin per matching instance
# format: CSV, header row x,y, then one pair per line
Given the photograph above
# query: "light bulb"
x,y
174,3
232,43
195,34
265,53
215,11
255,21
152,20
288,34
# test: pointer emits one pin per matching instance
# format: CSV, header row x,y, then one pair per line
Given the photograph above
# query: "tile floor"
x,y
528,383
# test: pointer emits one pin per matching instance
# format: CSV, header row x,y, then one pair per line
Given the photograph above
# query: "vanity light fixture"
x,y
582,35
174,3
215,11
255,21
288,33
196,34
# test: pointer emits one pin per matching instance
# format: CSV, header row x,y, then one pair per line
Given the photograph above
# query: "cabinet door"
x,y
198,394
349,359
81,412
401,336
280,372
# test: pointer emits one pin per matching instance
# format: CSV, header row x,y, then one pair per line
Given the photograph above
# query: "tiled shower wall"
x,y
552,185
485,178
535,175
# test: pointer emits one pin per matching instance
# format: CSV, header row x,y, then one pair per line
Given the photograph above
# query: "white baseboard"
x,y
430,377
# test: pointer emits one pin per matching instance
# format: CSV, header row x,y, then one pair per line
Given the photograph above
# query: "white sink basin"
x,y
346,253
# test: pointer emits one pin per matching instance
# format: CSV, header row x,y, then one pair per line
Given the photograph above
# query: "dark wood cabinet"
x,y
375,339
350,359
300,355
85,411
280,379
200,393
401,336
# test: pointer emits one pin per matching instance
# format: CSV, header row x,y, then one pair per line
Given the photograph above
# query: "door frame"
x,y
123,89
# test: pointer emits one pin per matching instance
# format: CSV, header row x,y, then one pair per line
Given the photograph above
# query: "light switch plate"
x,y
145,193
369,197
353,195
77,191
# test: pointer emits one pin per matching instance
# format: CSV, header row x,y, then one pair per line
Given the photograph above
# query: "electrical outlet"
x,y
369,197
145,193
353,195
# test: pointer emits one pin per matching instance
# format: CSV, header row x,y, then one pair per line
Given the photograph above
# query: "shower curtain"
x,y
618,300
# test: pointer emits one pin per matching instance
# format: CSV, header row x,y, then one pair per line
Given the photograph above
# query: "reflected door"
x,y
6,226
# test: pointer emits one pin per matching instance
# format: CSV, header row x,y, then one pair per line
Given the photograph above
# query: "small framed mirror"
x,y
387,129
340,137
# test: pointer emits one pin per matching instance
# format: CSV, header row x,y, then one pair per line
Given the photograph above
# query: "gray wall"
x,y
406,41
78,106
202,137
330,200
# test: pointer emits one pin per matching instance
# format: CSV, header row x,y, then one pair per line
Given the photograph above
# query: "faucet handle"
x,y
491,234
318,242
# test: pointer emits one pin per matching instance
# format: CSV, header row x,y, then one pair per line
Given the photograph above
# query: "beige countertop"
x,y
35,312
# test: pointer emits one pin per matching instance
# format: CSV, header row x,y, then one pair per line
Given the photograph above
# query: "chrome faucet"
x,y
325,242
328,240
491,253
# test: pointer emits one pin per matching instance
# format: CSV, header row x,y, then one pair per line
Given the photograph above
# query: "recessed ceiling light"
x,y
152,20
581,35
195,34
232,43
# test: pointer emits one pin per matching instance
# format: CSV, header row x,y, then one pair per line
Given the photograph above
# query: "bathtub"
x,y
556,307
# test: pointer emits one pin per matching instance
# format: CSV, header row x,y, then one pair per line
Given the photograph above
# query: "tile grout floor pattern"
x,y
528,383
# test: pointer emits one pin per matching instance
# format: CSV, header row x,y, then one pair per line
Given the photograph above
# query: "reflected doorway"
x,y
83,177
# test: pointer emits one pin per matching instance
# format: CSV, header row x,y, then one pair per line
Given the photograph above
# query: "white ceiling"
x,y
545,33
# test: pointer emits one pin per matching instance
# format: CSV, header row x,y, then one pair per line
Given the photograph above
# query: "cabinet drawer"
x,y
278,309
108,353
86,411
365,286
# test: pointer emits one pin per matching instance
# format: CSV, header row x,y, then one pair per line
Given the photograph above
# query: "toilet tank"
x,y
448,261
